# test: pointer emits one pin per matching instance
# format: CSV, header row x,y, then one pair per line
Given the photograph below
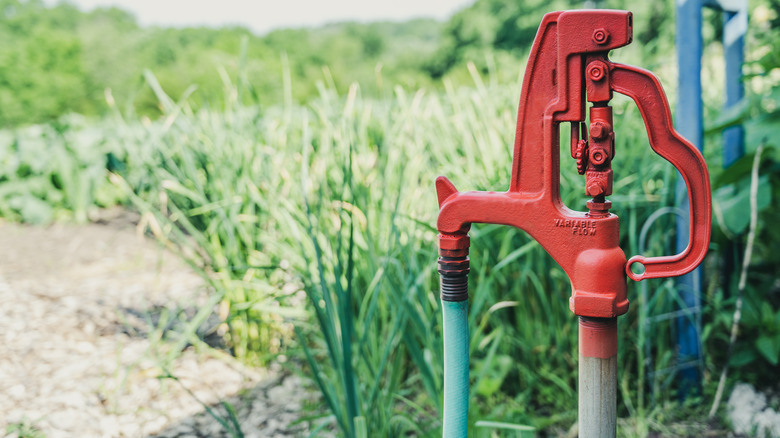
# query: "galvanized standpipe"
x,y
597,414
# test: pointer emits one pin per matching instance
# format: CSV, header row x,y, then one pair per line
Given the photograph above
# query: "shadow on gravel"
x,y
164,321
269,410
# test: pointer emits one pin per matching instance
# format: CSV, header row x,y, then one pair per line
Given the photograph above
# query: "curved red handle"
x,y
643,87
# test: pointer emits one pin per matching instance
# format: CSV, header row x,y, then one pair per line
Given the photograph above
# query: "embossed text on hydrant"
x,y
579,227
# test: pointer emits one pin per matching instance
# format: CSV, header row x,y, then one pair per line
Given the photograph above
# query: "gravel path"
x,y
80,356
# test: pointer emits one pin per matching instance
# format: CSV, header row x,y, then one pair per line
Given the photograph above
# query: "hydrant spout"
x,y
586,247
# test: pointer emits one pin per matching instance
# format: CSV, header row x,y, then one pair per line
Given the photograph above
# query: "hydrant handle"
x,y
643,87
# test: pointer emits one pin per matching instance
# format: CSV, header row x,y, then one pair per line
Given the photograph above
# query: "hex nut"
x,y
597,71
600,36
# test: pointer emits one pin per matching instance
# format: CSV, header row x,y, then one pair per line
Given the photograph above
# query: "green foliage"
x,y
519,429
506,26
55,171
732,201
768,342
41,76
57,60
756,355
23,429
331,199
211,199
362,275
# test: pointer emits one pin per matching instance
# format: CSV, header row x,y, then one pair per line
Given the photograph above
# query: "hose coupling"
x,y
454,267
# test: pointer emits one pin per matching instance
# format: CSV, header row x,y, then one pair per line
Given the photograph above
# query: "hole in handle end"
x,y
635,269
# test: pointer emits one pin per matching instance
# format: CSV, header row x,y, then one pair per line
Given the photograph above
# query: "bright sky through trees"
x,y
264,15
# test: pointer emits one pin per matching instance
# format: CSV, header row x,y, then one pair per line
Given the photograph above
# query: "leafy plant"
x,y
55,171
23,429
755,354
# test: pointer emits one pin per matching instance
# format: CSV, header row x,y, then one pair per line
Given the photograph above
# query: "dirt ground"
x,y
82,309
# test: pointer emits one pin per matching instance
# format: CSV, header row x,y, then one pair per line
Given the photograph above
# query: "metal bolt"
x,y
597,71
600,36
598,130
598,157
595,187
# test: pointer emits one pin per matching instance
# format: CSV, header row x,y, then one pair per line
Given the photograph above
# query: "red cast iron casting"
x,y
567,66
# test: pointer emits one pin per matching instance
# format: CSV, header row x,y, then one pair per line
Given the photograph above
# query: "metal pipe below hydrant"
x,y
598,377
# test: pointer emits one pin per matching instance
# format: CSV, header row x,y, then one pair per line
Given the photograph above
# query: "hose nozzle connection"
x,y
454,267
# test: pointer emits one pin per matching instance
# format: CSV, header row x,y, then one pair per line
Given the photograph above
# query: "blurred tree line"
x,y
58,59
510,26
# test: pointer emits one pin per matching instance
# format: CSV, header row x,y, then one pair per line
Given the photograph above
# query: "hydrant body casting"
x,y
567,67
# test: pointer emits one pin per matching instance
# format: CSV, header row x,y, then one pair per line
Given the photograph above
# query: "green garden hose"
x,y
456,368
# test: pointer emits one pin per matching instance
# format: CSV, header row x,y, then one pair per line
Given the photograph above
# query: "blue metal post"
x,y
734,28
689,42
689,122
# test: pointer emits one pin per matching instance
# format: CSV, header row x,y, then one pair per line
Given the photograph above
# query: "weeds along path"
x,y
82,311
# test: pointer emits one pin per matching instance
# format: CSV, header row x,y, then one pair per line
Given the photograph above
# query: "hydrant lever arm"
x,y
643,87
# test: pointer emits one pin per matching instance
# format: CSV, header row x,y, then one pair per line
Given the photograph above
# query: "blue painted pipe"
x,y
690,45
456,368
689,42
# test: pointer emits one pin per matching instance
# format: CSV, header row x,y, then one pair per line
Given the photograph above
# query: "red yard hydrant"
x,y
568,66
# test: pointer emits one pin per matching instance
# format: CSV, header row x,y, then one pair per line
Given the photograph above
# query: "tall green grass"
x,y
315,226
336,199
